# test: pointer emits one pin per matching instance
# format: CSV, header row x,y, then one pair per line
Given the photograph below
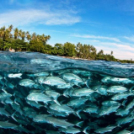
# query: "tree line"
x,y
24,41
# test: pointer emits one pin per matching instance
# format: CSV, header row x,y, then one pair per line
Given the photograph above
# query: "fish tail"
x,y
78,113
131,89
12,116
80,124
85,130
86,83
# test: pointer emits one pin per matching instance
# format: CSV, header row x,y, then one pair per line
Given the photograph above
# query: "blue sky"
x,y
105,24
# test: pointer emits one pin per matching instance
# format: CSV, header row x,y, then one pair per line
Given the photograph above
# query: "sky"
x,y
105,24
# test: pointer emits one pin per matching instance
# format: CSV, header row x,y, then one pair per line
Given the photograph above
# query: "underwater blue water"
x,y
41,93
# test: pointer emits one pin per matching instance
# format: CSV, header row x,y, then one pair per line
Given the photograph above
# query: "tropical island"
x,y
24,41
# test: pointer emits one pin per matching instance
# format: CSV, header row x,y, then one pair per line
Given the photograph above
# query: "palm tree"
x,y
48,37
6,34
10,28
45,38
28,36
2,33
16,33
34,36
39,38
23,35
20,33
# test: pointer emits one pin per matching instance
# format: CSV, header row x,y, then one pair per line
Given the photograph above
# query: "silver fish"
x,y
72,77
61,108
41,74
82,92
108,110
65,86
52,94
10,85
105,129
117,89
125,120
34,104
26,83
56,113
54,81
75,103
122,112
7,125
18,75
29,112
58,122
115,80
130,105
70,130
40,79
102,90
91,110
121,96
41,118
8,101
38,97
124,132
4,95
110,103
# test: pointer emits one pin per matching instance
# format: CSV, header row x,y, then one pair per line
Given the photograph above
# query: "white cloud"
x,y
120,50
96,37
24,17
118,53
129,38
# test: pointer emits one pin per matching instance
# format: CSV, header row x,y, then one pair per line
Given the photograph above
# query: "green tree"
x,y
58,49
48,49
36,46
69,49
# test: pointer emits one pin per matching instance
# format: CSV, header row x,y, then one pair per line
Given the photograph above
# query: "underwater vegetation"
x,y
51,95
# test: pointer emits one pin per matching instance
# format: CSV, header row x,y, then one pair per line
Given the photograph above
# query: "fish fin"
x,y
78,113
57,102
16,102
65,94
4,90
80,124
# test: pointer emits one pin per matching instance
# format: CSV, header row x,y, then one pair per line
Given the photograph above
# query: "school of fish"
x,y
65,101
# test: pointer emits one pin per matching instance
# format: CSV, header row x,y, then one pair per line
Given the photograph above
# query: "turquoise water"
x,y
41,93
